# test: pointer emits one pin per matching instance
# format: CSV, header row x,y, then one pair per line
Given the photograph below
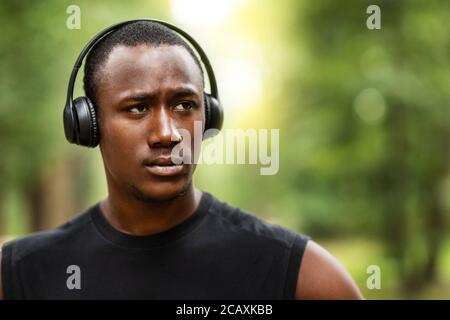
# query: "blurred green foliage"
x,y
376,105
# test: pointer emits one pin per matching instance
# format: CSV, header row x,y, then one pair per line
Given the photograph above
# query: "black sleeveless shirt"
x,y
219,252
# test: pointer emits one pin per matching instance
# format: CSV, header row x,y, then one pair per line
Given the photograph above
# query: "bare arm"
x,y
1,287
322,277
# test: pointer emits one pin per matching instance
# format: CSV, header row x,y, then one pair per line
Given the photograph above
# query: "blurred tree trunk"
x,y
435,219
2,214
392,177
53,200
434,236
35,193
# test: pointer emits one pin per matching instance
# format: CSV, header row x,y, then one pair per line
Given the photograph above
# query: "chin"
x,y
161,191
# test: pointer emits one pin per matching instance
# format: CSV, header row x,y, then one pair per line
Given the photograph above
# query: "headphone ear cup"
x,y
207,111
87,129
69,124
214,113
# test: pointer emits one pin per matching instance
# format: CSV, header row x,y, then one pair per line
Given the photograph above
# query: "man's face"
x,y
145,96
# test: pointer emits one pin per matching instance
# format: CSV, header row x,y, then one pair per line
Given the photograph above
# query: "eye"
x,y
184,106
137,109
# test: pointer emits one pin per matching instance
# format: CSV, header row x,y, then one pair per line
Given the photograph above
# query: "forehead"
x,y
147,68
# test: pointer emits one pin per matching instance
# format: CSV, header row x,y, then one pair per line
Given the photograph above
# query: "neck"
x,y
133,216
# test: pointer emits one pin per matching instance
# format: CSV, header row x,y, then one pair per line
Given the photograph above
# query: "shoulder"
x,y
1,286
23,247
321,276
246,224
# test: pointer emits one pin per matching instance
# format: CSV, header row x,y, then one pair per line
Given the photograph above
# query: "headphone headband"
x,y
209,70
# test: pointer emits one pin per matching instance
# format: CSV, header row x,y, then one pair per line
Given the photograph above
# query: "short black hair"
x,y
136,33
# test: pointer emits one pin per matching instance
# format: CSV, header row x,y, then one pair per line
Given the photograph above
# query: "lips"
x,y
163,166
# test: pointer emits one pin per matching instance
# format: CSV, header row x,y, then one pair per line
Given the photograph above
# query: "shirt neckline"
x,y
149,241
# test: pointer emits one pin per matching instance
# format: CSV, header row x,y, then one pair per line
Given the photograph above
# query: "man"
x,y
156,236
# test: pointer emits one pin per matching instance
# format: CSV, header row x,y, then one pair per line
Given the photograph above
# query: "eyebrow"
x,y
179,93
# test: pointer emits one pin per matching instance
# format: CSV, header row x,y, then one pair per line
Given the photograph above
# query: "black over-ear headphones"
x,y
80,118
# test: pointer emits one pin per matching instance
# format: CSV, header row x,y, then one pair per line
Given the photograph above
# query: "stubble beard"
x,y
141,196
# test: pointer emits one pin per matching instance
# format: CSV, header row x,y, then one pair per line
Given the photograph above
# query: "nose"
x,y
163,132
